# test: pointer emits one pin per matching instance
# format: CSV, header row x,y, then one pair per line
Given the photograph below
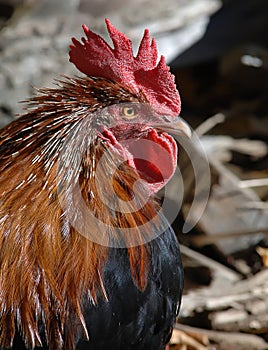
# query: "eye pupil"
x,y
129,112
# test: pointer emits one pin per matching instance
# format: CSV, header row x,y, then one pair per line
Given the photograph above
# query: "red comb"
x,y
140,74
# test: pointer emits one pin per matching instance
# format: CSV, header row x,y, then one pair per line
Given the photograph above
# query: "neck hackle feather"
x,y
46,266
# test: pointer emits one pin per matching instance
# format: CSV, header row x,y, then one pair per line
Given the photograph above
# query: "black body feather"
x,y
134,319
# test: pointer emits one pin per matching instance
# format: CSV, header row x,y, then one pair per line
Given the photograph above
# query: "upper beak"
x,y
177,127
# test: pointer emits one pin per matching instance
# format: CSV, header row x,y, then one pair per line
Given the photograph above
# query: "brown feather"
x,y
46,265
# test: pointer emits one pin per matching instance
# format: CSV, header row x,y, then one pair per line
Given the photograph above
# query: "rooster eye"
x,y
129,112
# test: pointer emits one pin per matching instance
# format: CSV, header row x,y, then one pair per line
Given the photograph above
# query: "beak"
x,y
176,127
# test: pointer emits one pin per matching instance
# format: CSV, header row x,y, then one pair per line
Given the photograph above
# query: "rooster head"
x,y
138,128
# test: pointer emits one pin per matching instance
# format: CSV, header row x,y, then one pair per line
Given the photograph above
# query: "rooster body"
x,y
133,319
70,280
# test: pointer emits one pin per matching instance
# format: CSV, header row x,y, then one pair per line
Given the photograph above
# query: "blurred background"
x,y
35,35
218,51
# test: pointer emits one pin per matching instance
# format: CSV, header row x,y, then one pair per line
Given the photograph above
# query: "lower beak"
x,y
176,127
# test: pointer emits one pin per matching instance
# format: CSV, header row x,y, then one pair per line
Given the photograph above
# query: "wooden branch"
x,y
224,271
243,341
203,239
210,123
189,340
240,320
214,298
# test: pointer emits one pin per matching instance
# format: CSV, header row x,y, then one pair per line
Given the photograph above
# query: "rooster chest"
x,y
131,318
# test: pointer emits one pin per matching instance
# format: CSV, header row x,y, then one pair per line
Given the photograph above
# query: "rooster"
x,y
87,259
